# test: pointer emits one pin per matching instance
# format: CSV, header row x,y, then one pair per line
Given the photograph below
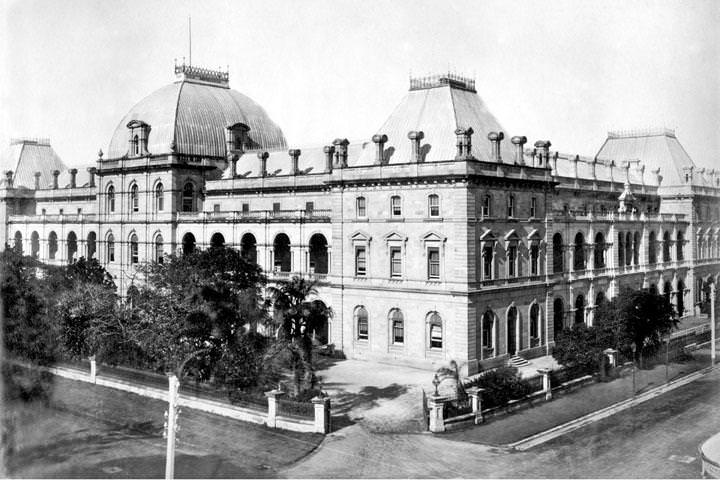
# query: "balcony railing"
x,y
55,218
256,215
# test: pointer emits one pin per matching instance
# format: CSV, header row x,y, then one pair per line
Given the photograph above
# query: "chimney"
x,y
380,141
294,155
233,165
575,165
55,174
92,171
73,177
495,139
329,152
612,174
341,152
543,147
658,177
626,165
37,180
594,168
415,138
641,169
464,143
9,179
263,156
519,143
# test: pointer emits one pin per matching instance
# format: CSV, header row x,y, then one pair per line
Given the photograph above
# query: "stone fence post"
x,y
322,414
547,388
272,407
476,402
435,405
93,369
612,357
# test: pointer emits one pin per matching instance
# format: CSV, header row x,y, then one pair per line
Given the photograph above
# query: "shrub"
x,y
500,386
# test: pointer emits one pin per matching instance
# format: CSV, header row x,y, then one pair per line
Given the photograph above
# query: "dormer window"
x,y
139,133
236,137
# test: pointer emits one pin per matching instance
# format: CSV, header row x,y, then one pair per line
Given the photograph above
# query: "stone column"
x,y
547,387
272,396
476,402
436,404
322,414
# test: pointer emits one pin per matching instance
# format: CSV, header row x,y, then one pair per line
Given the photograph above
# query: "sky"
x,y
567,71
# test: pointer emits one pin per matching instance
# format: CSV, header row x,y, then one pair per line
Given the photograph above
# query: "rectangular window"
x,y
487,262
79,211
396,208
363,328
398,331
216,207
486,211
534,258
309,206
512,261
61,211
435,336
533,207
43,212
276,207
245,208
433,263
360,207
360,262
111,251
434,205
395,262
511,206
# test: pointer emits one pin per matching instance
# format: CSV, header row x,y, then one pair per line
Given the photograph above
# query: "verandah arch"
x,y
318,252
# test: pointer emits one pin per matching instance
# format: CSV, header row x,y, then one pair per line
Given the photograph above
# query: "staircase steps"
x,y
517,362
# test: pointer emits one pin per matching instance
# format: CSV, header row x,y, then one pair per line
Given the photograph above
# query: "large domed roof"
x,y
193,114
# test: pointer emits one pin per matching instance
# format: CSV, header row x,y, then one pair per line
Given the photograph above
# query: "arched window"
x,y
52,245
621,249
435,330
488,334
558,316
680,304
666,246
580,309
667,292
557,253
397,326
599,250
188,243
136,145
511,206
512,330
433,205
487,206
487,260
217,240
535,327
361,320
248,247
579,253
318,254
110,243
679,246
90,245
134,199
636,248
628,248
111,199
35,245
159,250
134,255
159,198
18,246
600,299
71,247
652,253
281,253
188,197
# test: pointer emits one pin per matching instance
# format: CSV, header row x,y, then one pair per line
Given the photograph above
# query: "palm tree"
x,y
296,318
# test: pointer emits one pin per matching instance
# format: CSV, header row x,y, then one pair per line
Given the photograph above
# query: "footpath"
x,y
511,428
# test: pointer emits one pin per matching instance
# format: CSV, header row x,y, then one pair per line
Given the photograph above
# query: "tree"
x,y
296,318
579,346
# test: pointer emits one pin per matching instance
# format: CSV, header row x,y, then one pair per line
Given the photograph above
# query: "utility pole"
x,y
171,425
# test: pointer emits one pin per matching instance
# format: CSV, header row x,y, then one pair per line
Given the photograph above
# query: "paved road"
x,y
658,439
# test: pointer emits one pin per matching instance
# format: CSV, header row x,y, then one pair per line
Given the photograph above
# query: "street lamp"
x,y
633,347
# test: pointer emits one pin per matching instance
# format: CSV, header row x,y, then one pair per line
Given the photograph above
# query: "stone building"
x,y
437,238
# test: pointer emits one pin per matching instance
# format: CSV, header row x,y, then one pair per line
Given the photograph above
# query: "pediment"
x,y
394,236
488,235
433,236
360,236
511,236
534,235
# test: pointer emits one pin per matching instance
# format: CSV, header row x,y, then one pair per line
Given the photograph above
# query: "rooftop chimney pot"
x,y
519,143
464,143
294,156
73,177
379,140
341,152
263,156
415,138
92,171
37,180
329,153
55,174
